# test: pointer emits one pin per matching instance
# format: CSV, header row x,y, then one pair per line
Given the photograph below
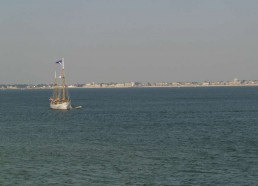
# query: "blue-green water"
x,y
169,136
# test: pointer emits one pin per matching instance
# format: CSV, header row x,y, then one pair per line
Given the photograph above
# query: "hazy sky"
x,y
128,40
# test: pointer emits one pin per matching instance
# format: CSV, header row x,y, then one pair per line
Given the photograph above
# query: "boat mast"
x,y
63,79
56,88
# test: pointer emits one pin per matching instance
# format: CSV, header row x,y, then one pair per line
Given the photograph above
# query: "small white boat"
x,y
78,107
60,99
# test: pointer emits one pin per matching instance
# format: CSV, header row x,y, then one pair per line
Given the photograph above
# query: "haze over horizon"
x,y
128,40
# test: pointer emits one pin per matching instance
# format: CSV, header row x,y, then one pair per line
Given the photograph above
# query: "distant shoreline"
x,y
135,87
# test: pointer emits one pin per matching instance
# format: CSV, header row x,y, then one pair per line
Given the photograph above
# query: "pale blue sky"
x,y
128,40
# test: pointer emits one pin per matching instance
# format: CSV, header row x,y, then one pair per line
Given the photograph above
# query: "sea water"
x,y
141,136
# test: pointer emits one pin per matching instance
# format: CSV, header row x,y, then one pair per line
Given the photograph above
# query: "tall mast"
x,y
63,79
56,88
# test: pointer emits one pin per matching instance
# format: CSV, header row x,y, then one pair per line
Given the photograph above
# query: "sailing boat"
x,y
60,99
